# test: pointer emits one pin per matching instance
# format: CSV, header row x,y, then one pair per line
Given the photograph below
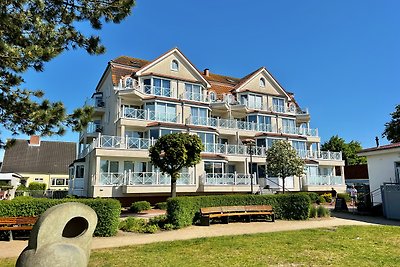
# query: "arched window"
x,y
129,82
213,97
262,82
174,65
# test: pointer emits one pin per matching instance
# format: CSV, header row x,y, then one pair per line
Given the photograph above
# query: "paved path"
x,y
14,248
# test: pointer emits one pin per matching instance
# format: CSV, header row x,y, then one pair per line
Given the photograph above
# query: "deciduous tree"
x,y
349,150
283,161
392,128
33,32
172,152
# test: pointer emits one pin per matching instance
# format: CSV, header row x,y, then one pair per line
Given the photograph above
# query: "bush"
x,y
107,210
323,212
138,225
21,187
184,211
169,226
140,206
37,186
160,221
313,212
321,199
328,197
345,196
313,196
161,205
151,228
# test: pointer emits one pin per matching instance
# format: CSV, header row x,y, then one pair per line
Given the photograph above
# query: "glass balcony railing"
x,y
141,114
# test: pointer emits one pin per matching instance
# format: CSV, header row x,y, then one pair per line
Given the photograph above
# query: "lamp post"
x,y
250,143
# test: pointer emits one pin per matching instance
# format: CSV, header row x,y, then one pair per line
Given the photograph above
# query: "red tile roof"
x,y
385,147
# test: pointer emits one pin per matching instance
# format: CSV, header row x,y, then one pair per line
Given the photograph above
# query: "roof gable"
x,y
161,65
251,82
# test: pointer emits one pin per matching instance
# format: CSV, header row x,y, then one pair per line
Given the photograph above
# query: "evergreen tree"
x,y
283,161
172,152
392,128
33,32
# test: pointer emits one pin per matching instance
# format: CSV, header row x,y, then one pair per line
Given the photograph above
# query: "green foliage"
x,y
349,150
37,186
172,152
321,199
323,212
21,187
140,206
313,196
34,32
160,221
313,212
344,196
392,128
161,205
107,210
328,197
184,211
138,225
283,161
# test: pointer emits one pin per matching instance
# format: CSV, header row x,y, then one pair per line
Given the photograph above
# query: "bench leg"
x,y
225,219
205,221
248,219
273,217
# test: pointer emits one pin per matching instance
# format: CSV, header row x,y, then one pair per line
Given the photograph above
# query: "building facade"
x,y
137,101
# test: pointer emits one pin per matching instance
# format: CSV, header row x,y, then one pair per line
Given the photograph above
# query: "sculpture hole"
x,y
75,227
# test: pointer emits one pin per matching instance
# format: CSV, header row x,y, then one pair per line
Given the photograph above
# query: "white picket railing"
x,y
142,178
227,179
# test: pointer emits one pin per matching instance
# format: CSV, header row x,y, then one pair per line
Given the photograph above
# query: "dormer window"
x,y
262,82
174,65
213,97
129,82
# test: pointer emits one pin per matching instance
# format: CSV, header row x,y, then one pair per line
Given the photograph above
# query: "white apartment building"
x,y
137,101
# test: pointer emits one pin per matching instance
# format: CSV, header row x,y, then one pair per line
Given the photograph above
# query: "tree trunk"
x,y
174,177
283,183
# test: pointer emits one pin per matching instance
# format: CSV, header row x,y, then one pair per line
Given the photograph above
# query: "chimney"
x,y
207,72
35,140
377,141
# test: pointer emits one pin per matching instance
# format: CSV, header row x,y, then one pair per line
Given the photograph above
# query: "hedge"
x,y
108,211
184,211
140,206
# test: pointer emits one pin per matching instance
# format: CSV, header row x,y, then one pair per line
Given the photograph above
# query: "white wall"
x,y
381,169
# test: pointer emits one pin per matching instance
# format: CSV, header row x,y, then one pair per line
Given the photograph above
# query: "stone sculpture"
x,y
61,237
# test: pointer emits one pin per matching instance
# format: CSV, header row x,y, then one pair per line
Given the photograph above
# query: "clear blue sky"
x,y
341,59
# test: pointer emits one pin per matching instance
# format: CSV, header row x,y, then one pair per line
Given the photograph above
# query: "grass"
x,y
341,246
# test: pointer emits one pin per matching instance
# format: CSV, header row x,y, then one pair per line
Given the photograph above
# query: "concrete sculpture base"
x,y
61,237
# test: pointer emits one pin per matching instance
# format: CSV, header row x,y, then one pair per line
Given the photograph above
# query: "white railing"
x,y
316,180
141,114
299,131
143,178
195,97
227,179
106,141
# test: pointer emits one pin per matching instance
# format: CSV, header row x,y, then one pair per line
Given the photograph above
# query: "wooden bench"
x,y
16,224
225,212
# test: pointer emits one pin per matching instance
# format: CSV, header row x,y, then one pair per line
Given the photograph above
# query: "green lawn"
x,y
342,246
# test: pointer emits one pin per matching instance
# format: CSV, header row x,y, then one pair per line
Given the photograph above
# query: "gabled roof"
x,y
380,148
48,157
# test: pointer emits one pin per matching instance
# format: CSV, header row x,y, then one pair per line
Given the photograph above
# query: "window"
x,y
198,115
252,101
206,138
59,181
278,105
160,87
213,167
129,166
193,92
79,171
162,112
129,82
289,126
213,97
174,65
262,82
168,131
108,166
39,180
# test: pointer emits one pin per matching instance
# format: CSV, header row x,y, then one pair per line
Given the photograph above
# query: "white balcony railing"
x,y
142,178
195,97
321,180
227,179
141,114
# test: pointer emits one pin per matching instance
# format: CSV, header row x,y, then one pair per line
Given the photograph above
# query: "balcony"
x,y
142,178
200,97
95,103
322,180
226,179
141,114
91,130
147,89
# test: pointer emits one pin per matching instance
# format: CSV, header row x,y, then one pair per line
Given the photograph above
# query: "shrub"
x,y
168,226
184,211
328,197
321,199
345,196
107,210
161,205
160,221
323,212
36,186
140,206
150,228
313,196
132,224
313,212
21,187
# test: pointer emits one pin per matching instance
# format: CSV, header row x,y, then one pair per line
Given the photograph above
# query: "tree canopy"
x,y
392,128
33,32
283,161
349,150
172,152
